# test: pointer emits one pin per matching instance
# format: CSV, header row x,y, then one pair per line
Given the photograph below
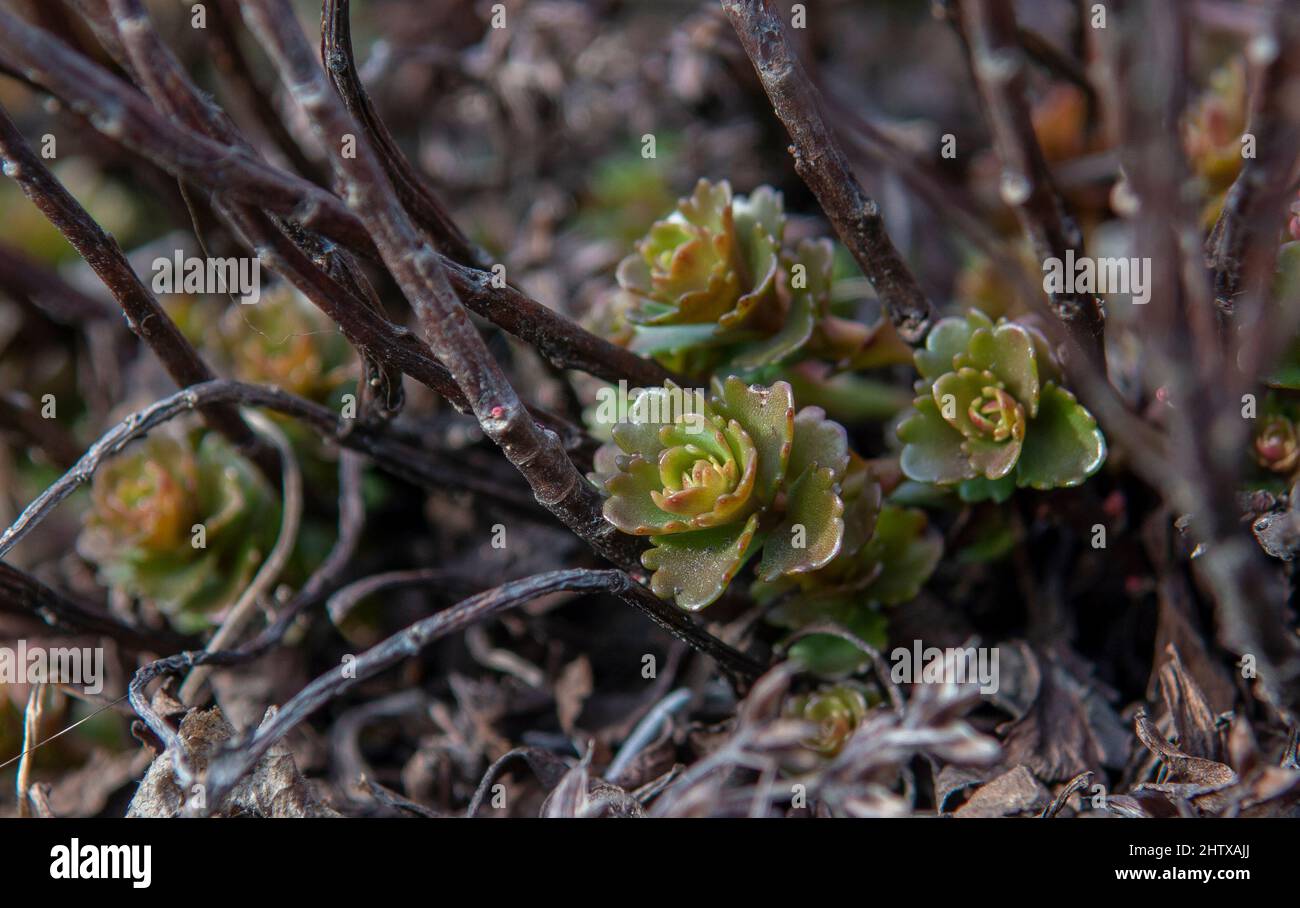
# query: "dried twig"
x,y
245,607
1206,429
998,64
226,769
425,209
398,457
23,278
238,71
123,114
23,595
31,733
534,451
146,318
235,173
340,604
821,163
1242,248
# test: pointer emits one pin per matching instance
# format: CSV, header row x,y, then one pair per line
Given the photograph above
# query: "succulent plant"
x,y
141,528
990,414
707,277
714,484
889,553
837,710
1275,440
285,341
1276,446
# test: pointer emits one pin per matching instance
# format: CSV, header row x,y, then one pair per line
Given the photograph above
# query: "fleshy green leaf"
x,y
932,449
993,459
648,412
798,328
862,497
604,465
817,440
1007,351
814,517
630,506
835,657
1063,445
762,209
981,489
907,550
947,339
767,414
695,568
649,340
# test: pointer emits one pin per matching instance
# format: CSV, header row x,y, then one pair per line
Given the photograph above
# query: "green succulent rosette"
x,y
1275,442
706,278
991,416
836,709
715,482
285,341
140,529
1276,446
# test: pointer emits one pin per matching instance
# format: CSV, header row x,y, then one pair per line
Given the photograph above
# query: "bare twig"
x,y
237,174
226,769
534,451
23,278
287,247
340,604
998,65
1049,57
245,607
398,457
1207,432
23,595
1242,248
821,163
239,70
425,209
123,114
146,318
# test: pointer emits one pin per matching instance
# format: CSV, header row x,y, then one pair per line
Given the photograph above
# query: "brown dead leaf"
x,y
1068,729
1011,794
1194,723
274,788
1188,769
